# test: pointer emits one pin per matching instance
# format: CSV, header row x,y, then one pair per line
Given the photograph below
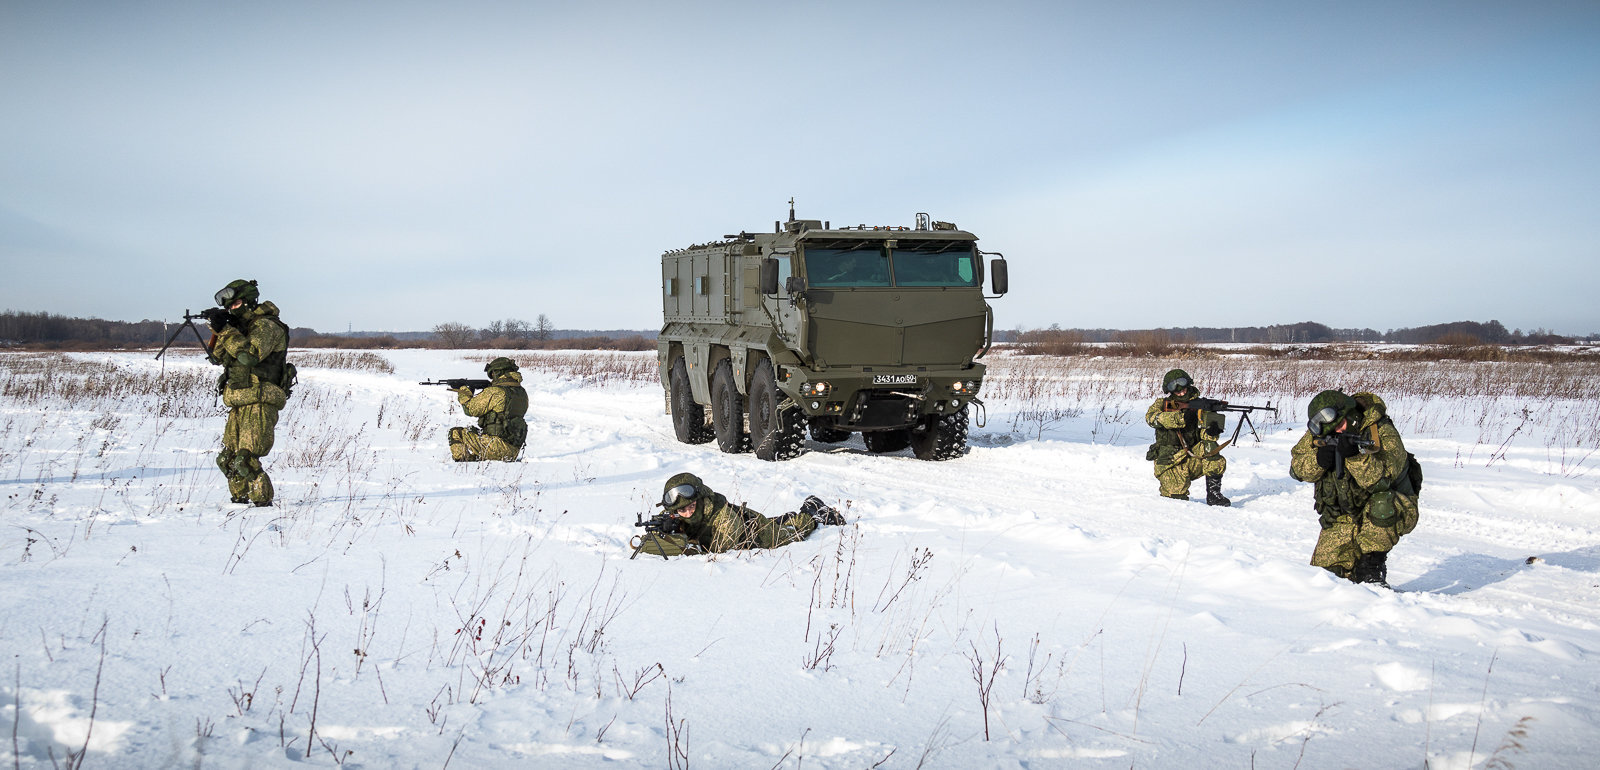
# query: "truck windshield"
x,y
865,264
910,263
935,264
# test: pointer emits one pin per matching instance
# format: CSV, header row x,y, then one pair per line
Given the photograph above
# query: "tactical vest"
x,y
1170,440
1342,495
508,426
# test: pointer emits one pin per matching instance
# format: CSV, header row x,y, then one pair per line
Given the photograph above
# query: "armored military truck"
x,y
874,330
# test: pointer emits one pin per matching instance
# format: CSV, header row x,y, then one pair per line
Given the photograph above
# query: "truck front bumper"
x,y
874,398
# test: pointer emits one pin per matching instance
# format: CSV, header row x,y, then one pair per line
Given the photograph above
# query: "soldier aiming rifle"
x,y
499,403
1187,428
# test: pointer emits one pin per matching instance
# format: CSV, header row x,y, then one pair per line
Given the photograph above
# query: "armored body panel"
x,y
864,330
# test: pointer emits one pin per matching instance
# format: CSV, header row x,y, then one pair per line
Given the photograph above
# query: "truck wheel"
x,y
887,440
727,411
688,417
827,434
941,437
778,433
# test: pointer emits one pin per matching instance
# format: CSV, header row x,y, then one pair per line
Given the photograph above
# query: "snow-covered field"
x,y
1033,604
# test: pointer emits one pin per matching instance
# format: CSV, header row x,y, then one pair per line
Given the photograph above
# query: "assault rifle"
x,y
1215,405
215,316
664,523
457,382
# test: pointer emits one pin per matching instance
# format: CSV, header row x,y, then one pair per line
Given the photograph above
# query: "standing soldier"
x,y
499,409
1186,441
252,346
1366,484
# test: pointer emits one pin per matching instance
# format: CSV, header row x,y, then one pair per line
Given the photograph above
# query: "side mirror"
x,y
769,276
794,285
997,276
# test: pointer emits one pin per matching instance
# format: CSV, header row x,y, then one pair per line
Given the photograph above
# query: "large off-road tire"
x,y
887,440
941,436
827,434
776,428
727,411
688,417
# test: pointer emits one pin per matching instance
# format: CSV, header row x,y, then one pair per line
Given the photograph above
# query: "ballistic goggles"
x,y
1324,421
677,497
229,293
1178,384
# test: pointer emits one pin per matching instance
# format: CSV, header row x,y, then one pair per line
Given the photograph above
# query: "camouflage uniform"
x,y
1361,501
253,353
719,526
499,408
1186,444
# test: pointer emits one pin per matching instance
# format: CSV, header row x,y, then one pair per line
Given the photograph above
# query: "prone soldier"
x,y
700,520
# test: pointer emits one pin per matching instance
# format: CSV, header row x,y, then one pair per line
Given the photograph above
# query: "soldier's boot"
x,y
260,488
824,514
1214,492
245,468
1372,568
458,446
238,488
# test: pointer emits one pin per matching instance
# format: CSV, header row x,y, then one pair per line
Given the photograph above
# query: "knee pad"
x,y
225,460
244,464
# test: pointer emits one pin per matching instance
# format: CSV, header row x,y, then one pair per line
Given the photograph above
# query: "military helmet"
x,y
1327,408
1175,381
500,366
236,290
681,490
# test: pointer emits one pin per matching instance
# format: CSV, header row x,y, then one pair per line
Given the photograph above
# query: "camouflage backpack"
x,y
1410,482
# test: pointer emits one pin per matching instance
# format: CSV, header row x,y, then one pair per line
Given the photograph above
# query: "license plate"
x,y
894,379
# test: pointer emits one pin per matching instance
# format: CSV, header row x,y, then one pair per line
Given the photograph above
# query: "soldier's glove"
x,y
217,317
821,512
1325,459
1348,449
1191,417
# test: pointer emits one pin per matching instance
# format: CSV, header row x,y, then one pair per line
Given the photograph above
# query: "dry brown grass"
x,y
593,367
365,361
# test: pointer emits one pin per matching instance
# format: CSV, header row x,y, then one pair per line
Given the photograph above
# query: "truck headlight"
x,y
816,389
967,387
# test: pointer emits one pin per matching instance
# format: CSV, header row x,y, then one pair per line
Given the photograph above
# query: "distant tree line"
x,y
49,330
516,334
58,332
1456,333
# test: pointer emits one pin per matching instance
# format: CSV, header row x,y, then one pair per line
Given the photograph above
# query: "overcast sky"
x,y
392,166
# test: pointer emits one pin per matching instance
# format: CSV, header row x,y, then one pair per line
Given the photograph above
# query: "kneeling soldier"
x,y
1366,484
1186,441
499,408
